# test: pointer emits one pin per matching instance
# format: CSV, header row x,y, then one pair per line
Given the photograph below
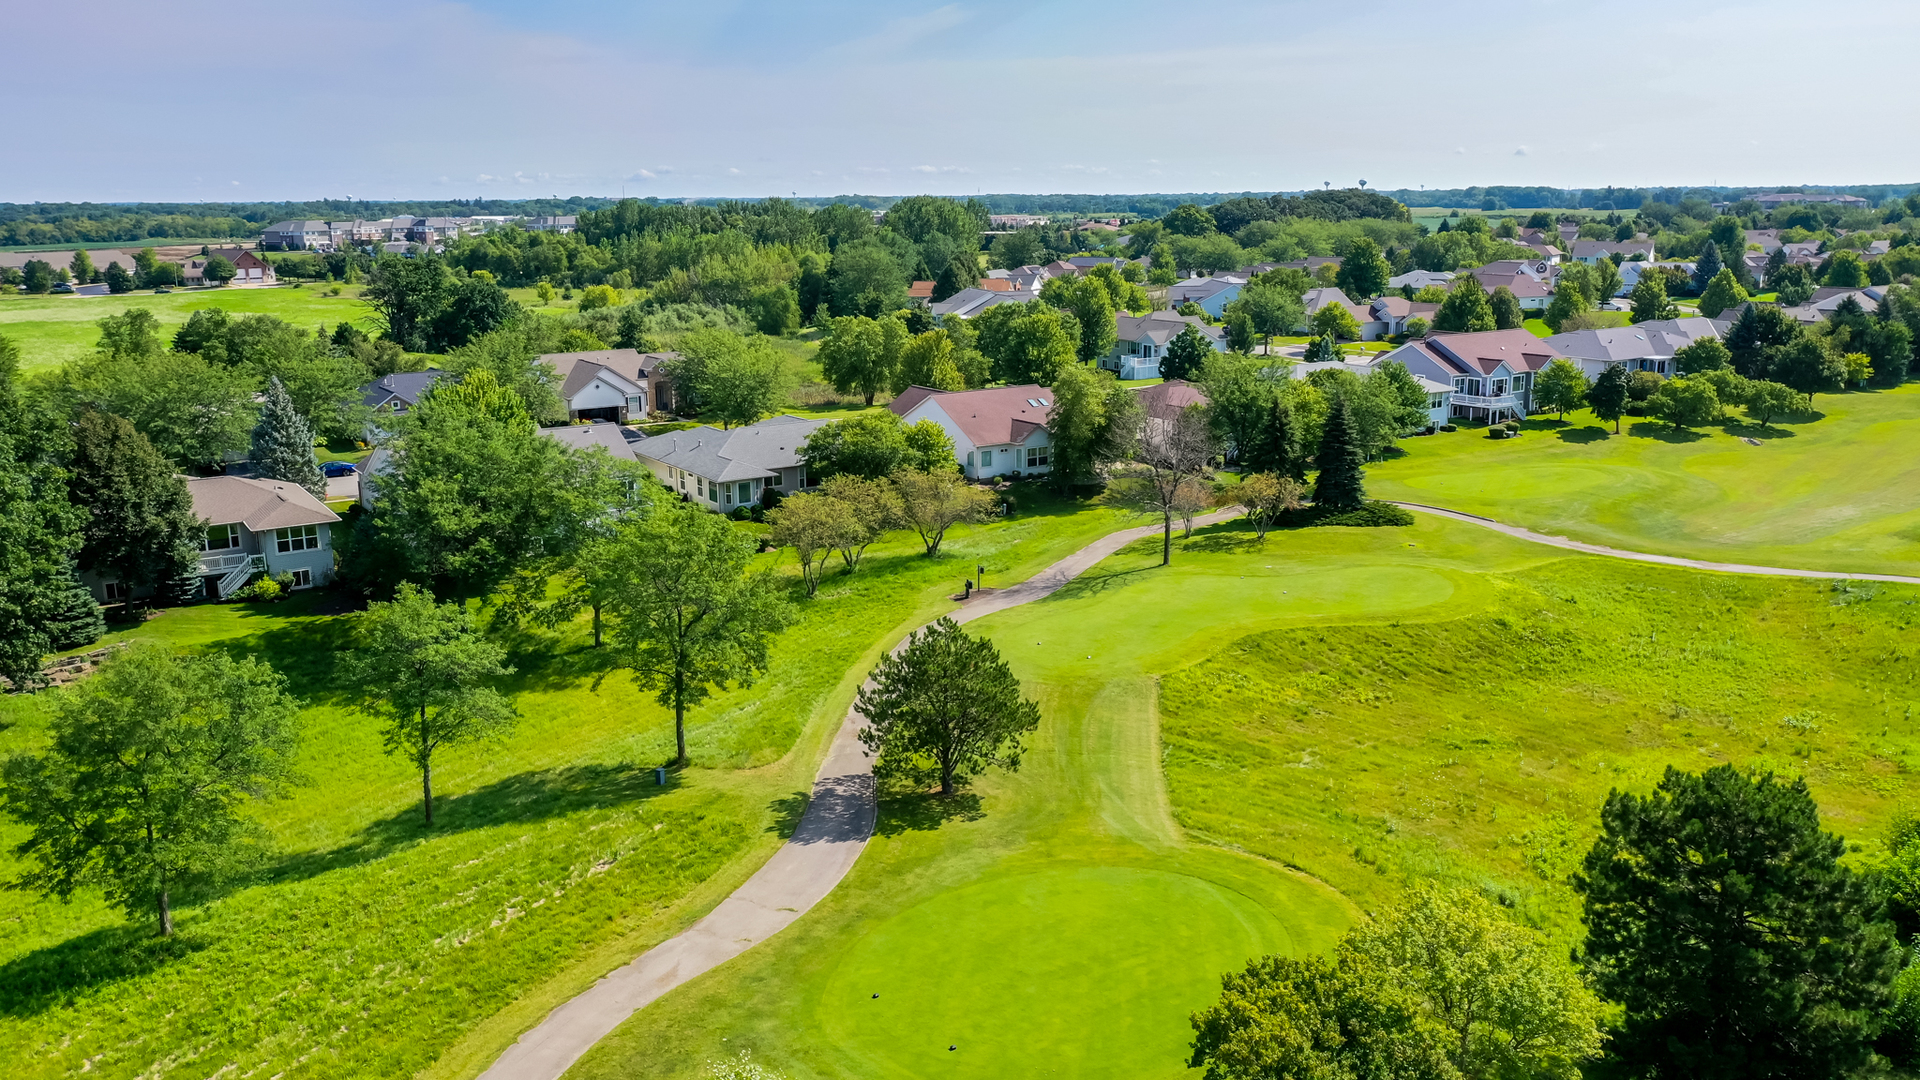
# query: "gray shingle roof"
x,y
403,387
742,453
1647,340
613,438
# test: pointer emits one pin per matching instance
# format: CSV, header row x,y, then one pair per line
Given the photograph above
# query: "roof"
x,y
613,438
970,302
1167,400
577,370
742,453
1003,414
920,290
403,386
1160,327
1482,353
1656,339
1593,249
1197,289
1522,286
1399,307
1419,279
260,505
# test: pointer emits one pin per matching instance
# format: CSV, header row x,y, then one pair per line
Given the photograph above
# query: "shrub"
x,y
1372,515
742,513
263,589
1449,427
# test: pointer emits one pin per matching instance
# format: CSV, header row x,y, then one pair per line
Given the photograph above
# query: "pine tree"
x,y
1321,349
1277,449
1707,267
283,443
39,527
139,527
75,619
1339,485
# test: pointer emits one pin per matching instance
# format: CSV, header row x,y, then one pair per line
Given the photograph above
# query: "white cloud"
x,y
1521,152
939,169
236,183
733,172
644,174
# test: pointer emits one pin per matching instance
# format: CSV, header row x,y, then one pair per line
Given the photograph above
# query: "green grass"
x,y
367,946
52,330
1840,492
1538,328
136,245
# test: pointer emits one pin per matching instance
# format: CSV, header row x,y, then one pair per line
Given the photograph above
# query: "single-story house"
x,y
967,303
620,385
400,391
248,268
1638,249
253,527
1439,394
1825,300
1630,272
619,441
1371,328
921,292
1213,294
1491,373
1165,401
1419,279
1533,292
1767,239
1393,312
994,432
1141,340
1647,346
724,469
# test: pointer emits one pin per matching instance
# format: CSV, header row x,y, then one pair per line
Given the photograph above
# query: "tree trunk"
x,y
946,779
596,624
869,401
680,720
426,769
166,915
1166,541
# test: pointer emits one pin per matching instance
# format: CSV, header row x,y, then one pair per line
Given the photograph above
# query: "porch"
x,y
1489,409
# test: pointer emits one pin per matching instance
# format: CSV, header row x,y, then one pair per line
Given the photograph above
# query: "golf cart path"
x,y
832,833
1641,556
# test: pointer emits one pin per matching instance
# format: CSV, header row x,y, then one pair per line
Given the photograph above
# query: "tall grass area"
x,y
1480,748
367,945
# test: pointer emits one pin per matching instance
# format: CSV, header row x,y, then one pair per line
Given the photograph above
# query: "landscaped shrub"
x,y
742,513
263,588
1449,427
1372,515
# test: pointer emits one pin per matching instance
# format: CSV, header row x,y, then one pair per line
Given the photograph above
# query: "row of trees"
x,y
1724,938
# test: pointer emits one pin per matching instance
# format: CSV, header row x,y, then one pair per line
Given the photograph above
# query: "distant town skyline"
x,y
118,101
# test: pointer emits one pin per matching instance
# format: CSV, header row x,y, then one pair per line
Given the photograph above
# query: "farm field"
x,y
1365,705
1838,493
365,945
52,330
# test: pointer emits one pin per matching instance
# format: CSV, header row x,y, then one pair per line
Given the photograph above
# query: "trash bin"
x,y
660,776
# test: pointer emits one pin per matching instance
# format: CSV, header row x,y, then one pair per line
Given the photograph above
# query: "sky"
x,y
129,100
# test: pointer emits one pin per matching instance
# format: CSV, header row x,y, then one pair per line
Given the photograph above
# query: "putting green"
x,y
1158,941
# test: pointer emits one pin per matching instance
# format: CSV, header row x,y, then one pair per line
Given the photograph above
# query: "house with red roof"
x,y
995,432
1491,373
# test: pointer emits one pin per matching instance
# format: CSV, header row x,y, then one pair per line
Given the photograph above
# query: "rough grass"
x,y
365,945
52,330
1834,490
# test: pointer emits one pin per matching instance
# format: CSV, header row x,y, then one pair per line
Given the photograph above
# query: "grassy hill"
x,y
51,330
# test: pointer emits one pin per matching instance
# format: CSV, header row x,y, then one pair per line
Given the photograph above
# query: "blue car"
x,y
338,468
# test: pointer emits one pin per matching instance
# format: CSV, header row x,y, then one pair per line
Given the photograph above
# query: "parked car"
x,y
61,287
162,289
338,468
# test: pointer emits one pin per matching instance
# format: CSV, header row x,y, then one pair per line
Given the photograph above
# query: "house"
x,y
1419,279
559,223
995,432
1767,240
920,292
1491,373
1533,292
1771,199
1439,394
297,236
1213,294
1630,272
400,391
248,268
725,469
1371,329
1311,264
620,385
1647,346
1165,401
1141,340
1827,299
253,527
967,303
1638,249
1084,263
1393,312
1016,221
617,440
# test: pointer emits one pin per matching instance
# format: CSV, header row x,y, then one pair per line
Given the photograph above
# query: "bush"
x,y
1372,515
742,513
1449,427
1900,1035
262,589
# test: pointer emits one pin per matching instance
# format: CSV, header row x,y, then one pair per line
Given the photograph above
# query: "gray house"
x,y
1647,346
253,527
1142,340
724,469
400,391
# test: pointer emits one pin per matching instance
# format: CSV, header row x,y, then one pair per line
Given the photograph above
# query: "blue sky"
x,y
120,100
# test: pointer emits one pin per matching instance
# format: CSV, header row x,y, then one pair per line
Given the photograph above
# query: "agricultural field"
x,y
364,944
52,330
1836,492
1354,707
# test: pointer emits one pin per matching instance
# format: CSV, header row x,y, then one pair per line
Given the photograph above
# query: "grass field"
x,y
51,330
136,245
1841,492
367,946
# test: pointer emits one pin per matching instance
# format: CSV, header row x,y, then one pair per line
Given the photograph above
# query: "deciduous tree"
x,y
1266,496
1766,400
1706,354
1094,422
1685,402
1186,354
1609,394
1335,321
814,526
1465,309
1722,292
933,501
143,786
854,357
40,528
946,705
1364,270
874,506
1506,309
734,379
1649,298
1561,386
1171,454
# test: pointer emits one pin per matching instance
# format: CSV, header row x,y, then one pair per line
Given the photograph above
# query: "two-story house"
x,y
1213,294
611,384
252,527
1491,373
994,432
1141,341
721,470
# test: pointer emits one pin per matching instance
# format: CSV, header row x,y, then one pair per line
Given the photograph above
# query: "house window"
x,y
778,479
969,459
1499,388
298,538
986,459
700,486
1036,456
302,578
633,404
220,537
713,493
115,591
746,491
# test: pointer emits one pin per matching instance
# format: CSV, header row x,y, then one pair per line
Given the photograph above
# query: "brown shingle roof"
x,y
260,505
1003,414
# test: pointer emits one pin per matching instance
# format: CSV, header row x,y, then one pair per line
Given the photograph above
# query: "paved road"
x,y
832,833
1641,556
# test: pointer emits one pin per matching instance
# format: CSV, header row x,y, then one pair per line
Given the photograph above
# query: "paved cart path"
x,y
832,833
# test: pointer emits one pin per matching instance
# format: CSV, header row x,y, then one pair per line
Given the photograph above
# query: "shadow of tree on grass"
x,y
48,978
1661,431
1587,434
905,811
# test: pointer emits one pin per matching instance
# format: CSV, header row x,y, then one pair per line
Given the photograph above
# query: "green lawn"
x,y
1841,492
51,330
136,245
1370,706
367,946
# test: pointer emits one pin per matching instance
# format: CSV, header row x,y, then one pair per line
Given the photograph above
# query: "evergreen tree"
x,y
1339,485
39,528
961,272
139,527
1706,267
283,443
1186,354
75,618
1321,349
1506,309
1465,309
1277,448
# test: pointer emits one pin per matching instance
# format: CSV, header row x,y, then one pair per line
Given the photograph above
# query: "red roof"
x,y
1167,400
1003,414
920,290
1485,351
996,284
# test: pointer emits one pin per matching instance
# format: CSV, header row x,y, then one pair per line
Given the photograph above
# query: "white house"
x,y
253,527
620,385
1638,249
1439,394
1419,279
1213,294
1491,373
722,470
1647,346
1141,341
994,432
